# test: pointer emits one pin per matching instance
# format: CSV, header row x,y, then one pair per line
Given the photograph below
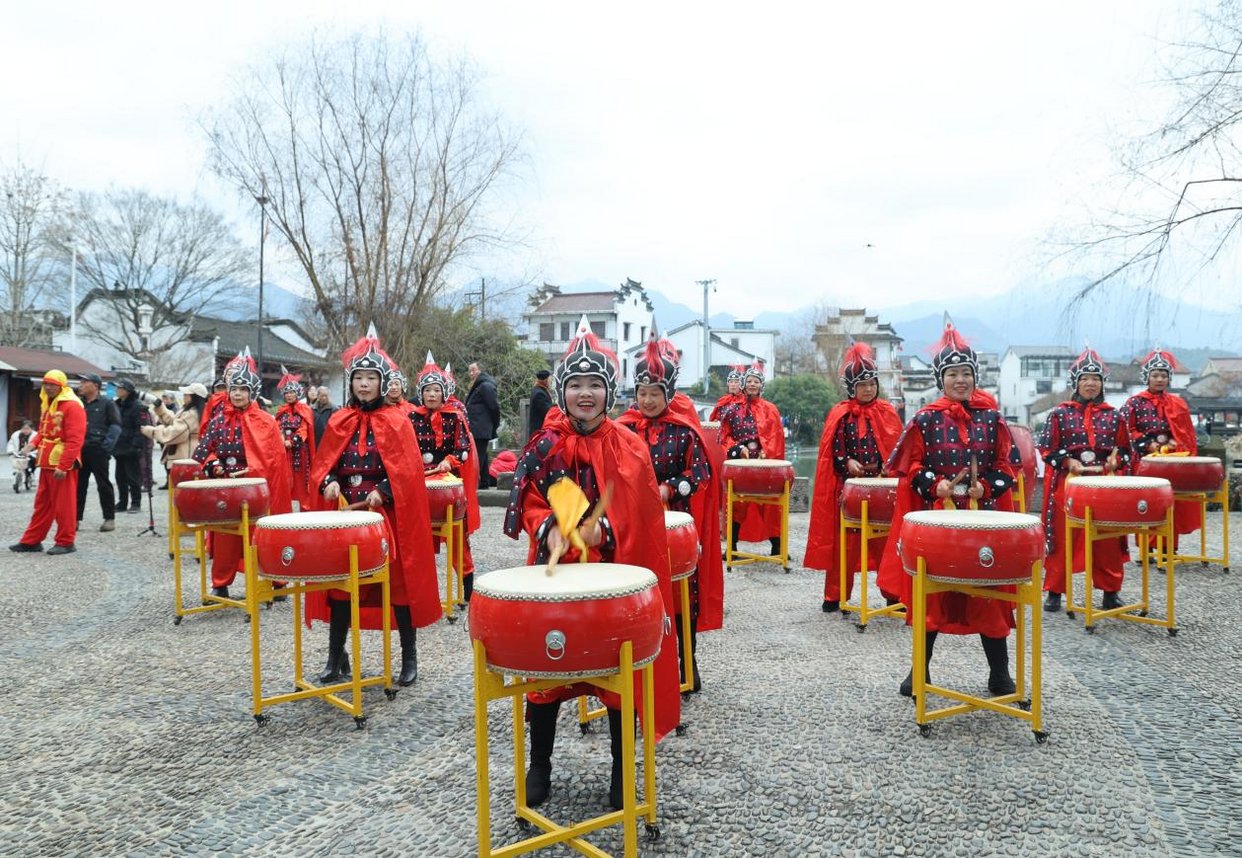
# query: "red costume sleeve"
x,y
771,430
821,539
470,467
72,433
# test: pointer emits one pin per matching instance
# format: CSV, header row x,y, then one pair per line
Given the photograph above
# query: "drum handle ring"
x,y
668,625
221,505
1142,506
554,641
286,555
986,558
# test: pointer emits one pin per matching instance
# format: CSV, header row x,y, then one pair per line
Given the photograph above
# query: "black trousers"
x,y
95,464
128,483
485,479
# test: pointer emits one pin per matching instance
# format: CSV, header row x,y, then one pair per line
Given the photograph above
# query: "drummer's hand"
x,y
854,468
1153,447
761,455
665,493
592,535
944,491
375,500
288,443
217,470
1074,466
443,468
1110,464
59,474
976,491
332,491
555,541
744,453
1170,444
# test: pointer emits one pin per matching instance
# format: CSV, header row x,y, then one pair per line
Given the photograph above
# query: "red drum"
x,y
220,501
711,428
1188,474
683,544
1119,501
880,493
1025,442
964,546
568,624
314,546
180,470
759,476
444,492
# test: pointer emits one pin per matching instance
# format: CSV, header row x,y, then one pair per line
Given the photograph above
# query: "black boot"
x,y
733,537
999,680
694,648
1111,600
775,542
681,649
337,668
831,607
467,587
1052,603
615,798
542,738
907,684
409,649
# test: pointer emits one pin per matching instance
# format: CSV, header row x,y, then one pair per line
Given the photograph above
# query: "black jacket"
x,y
483,408
103,424
131,441
321,421
540,402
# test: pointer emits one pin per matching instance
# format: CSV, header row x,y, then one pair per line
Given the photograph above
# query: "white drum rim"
x,y
974,519
320,520
1119,482
567,674
445,484
222,482
759,463
194,462
873,482
979,582
312,579
681,576
551,588
1186,460
674,520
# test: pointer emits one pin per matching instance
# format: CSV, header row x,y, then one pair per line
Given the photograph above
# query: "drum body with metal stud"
x,y
445,493
314,546
711,428
977,547
1187,474
683,544
180,470
880,493
1117,501
568,624
220,501
759,476
1024,440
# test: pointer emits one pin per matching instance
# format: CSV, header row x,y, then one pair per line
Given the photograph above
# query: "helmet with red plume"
x,y
586,357
658,366
755,370
1087,363
366,354
244,372
1157,359
858,364
952,350
289,382
432,375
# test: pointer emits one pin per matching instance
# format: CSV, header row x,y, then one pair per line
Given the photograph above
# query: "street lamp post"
x,y
262,201
707,333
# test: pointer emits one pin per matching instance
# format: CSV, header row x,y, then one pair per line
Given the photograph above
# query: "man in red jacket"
x,y
62,431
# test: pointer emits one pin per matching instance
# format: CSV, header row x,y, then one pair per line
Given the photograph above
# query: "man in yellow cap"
x,y
62,431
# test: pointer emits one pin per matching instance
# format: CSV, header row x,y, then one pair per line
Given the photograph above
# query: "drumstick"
x,y
1110,464
958,478
555,558
362,504
601,506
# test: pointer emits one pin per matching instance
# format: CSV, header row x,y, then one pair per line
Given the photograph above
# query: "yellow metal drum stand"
x,y
1221,496
492,685
866,532
260,592
1016,705
741,558
453,532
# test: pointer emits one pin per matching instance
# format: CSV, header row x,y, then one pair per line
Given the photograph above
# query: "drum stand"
x,y
453,532
262,592
304,689
1093,533
866,532
1016,705
492,685
1220,496
740,558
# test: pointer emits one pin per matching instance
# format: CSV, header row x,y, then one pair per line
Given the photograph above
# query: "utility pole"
x,y
707,332
262,201
481,294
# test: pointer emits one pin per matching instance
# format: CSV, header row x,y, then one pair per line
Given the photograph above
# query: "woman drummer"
x,y
1082,435
444,444
581,443
859,435
364,458
733,383
394,393
955,450
679,454
752,429
297,425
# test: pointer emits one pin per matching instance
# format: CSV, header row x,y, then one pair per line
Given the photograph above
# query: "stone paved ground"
x,y
123,733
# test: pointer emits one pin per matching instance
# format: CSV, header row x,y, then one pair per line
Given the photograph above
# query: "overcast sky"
x,y
765,145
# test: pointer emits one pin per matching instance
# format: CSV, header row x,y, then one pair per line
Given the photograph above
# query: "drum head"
x,y
1123,483
971,519
447,481
569,582
758,463
223,483
187,462
873,482
328,520
677,519
1183,460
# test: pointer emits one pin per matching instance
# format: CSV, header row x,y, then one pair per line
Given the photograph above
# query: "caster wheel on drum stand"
x,y
1069,615
685,696
1041,737
523,824
1172,633
681,729
360,722
262,720
1090,630
170,555
862,627
452,618
653,831
177,620
1024,705
786,570
584,728
925,730
1142,613
391,693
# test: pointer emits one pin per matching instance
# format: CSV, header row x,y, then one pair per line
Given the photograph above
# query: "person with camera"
x,y
129,448
177,433
103,428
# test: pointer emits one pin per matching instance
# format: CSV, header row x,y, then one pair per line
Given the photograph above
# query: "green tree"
x,y
804,401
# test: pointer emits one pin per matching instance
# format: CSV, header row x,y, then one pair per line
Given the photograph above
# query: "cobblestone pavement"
x,y
124,733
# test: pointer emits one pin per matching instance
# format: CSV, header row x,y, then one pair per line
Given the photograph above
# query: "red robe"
x,y
469,469
952,613
412,569
618,458
300,486
704,508
1173,410
760,521
822,551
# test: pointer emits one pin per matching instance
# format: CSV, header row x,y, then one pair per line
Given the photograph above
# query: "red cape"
x,y
727,399
469,469
1176,413
409,520
214,403
619,458
308,423
704,508
821,541
265,453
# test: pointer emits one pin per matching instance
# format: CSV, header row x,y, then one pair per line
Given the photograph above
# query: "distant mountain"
x,y
278,303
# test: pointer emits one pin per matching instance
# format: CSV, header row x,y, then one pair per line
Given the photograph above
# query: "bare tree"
x,y
801,349
1179,200
31,217
380,168
138,249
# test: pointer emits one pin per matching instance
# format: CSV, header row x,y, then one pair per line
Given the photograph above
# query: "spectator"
x,y
178,433
323,410
483,412
129,448
103,428
540,402
17,442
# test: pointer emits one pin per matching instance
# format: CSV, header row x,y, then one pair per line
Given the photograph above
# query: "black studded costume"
x,y
441,435
360,470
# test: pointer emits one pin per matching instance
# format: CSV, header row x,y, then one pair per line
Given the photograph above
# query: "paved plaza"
x,y
126,734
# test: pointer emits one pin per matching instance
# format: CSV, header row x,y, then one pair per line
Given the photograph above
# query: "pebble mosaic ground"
x,y
126,734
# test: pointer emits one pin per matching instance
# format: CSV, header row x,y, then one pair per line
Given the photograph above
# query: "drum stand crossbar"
x,y
1015,705
492,685
866,532
1220,496
262,591
305,689
734,557
1137,611
453,532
